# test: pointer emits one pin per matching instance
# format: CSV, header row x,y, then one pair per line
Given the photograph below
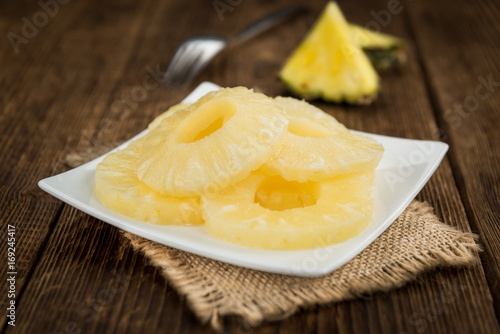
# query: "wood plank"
x,y
88,280
48,99
459,63
92,132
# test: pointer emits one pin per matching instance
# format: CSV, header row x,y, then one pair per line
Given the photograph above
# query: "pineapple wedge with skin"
x,y
118,188
328,64
383,50
268,212
318,147
213,143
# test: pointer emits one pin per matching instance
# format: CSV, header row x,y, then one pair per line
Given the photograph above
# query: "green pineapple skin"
x,y
386,59
384,51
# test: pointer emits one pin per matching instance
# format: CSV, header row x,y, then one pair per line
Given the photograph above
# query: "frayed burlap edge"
x,y
415,243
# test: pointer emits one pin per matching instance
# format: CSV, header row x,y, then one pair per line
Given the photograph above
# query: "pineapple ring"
x,y
172,110
118,188
318,147
268,212
212,144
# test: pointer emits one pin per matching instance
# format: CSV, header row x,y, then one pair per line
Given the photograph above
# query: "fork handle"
x,y
266,23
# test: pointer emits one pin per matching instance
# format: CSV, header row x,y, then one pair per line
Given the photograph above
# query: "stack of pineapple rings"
x,y
259,172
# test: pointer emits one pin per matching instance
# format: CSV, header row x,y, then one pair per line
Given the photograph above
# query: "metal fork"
x,y
195,53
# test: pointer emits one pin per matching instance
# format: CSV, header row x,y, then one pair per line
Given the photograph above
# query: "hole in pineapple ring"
x,y
277,194
308,128
209,118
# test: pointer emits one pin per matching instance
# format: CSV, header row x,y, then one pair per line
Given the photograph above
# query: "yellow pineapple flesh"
x,y
318,147
263,173
118,188
329,64
213,143
172,110
269,212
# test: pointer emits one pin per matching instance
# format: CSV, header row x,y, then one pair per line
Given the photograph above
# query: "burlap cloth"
x,y
416,242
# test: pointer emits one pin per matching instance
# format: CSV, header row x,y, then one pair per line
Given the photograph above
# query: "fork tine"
x,y
178,58
185,66
191,57
174,65
197,65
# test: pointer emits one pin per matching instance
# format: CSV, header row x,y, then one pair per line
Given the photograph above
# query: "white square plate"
x,y
403,171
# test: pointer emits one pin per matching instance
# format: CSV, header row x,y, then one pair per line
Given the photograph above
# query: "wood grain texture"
x,y
80,82
51,94
466,93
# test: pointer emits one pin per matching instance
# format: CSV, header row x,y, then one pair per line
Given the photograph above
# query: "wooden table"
x,y
78,80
